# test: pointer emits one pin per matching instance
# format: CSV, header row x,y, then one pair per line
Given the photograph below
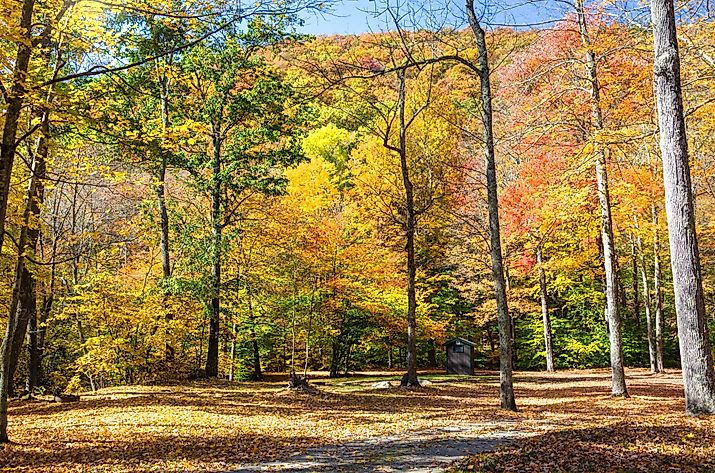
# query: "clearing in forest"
x,y
567,421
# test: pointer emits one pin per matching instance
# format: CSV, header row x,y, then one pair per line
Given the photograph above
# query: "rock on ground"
x,y
381,385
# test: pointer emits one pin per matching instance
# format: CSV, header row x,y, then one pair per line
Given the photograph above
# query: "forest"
x,y
198,198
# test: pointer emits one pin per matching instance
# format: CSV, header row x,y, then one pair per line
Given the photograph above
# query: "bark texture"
x,y
23,289
636,298
169,351
214,303
506,343
14,101
161,185
34,352
695,354
618,386
163,220
410,379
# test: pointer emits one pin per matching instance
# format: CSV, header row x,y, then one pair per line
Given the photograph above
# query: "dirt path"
x,y
425,451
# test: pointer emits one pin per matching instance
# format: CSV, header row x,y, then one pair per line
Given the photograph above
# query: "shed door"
x,y
458,356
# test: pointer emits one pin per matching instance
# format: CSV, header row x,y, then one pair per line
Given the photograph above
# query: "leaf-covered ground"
x,y
569,422
588,431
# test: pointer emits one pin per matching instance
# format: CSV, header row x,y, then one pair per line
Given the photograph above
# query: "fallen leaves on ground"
x,y
586,430
572,424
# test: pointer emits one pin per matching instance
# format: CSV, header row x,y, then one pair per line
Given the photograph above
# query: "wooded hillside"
x,y
195,189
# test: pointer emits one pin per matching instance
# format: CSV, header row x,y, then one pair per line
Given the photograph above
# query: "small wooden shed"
x,y
460,356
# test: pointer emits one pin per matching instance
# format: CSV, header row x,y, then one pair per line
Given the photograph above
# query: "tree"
x,y
695,354
409,227
19,314
406,193
506,342
646,298
618,387
546,319
23,303
151,35
14,97
249,117
658,294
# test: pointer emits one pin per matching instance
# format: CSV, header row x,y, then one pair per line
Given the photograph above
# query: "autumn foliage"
x,y
223,199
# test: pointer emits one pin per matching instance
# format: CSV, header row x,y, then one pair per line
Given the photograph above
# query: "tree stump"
x,y
297,382
405,382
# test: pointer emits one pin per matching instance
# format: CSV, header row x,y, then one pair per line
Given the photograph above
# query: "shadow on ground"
x,y
220,426
419,452
620,447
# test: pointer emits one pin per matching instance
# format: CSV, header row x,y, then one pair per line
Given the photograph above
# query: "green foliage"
x,y
270,149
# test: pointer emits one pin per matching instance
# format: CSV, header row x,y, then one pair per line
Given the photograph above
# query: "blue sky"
x,y
348,17
353,16
358,16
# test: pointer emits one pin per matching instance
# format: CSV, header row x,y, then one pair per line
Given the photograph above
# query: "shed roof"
x,y
460,339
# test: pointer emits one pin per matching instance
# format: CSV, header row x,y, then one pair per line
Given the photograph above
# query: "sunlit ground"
x,y
569,421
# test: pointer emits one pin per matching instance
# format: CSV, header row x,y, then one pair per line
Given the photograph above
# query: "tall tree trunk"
x,y
14,100
695,354
658,294
37,329
18,316
163,219
618,386
505,341
27,303
347,359
215,309
34,352
646,300
512,336
6,348
545,312
294,317
169,351
161,185
257,373
634,286
308,333
410,379
26,296
512,319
